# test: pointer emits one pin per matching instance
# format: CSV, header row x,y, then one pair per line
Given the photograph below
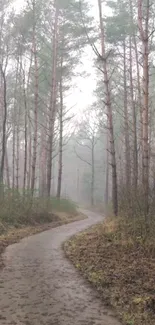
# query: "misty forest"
x,y
77,129
49,146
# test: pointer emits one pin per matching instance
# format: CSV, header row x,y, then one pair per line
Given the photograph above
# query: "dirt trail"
x,y
39,286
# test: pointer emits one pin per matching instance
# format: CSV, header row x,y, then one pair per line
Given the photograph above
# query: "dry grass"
x,y
121,269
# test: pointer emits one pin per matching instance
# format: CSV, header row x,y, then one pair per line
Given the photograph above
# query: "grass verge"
x,y
121,269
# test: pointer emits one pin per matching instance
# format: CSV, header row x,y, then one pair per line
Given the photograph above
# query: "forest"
x,y
77,115
106,147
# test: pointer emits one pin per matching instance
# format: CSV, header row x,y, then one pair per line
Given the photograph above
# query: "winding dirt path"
x,y
39,286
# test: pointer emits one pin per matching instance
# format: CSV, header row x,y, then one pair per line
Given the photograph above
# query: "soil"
x,y
39,286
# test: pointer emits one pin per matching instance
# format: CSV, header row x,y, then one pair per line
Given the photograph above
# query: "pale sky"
x,y
81,96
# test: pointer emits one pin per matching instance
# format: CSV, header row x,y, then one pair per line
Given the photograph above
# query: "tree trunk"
x,y
14,119
140,134
7,169
126,127
52,108
25,136
135,152
17,151
92,171
43,162
13,153
109,114
107,175
4,128
30,156
60,141
36,97
144,35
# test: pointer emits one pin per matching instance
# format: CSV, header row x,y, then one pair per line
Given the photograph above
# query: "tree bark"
x,y
135,151
4,127
52,107
107,175
126,127
30,155
14,119
25,136
17,150
92,171
144,36
109,114
7,169
43,164
60,140
137,134
36,97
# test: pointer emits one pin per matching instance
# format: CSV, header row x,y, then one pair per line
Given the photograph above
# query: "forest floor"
x,y
39,286
121,271
13,234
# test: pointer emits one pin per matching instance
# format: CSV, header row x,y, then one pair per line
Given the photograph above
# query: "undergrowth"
x,y
119,260
18,210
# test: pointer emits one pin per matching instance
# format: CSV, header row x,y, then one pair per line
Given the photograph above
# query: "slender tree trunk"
x,y
43,159
135,151
17,150
109,114
13,153
144,35
17,158
29,131
4,127
7,168
14,118
36,98
52,108
30,155
92,172
107,175
60,140
78,184
140,133
25,136
126,127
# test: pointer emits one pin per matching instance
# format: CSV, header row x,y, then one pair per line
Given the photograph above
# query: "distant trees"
x,y
86,141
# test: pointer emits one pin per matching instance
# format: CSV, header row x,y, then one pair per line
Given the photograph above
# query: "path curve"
x,y
39,286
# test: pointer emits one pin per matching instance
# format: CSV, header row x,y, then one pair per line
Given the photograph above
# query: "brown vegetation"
x,y
121,265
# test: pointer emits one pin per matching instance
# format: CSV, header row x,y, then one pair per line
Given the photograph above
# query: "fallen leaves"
x,y
122,272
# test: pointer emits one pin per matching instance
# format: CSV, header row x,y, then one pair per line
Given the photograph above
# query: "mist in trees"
x,y
97,155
